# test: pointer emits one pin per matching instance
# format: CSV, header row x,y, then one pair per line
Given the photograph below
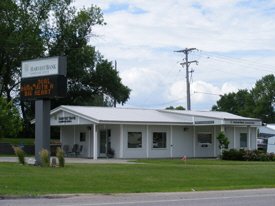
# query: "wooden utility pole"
x,y
116,70
187,63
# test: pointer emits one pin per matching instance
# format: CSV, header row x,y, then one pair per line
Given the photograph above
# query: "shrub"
x,y
271,156
251,155
60,155
20,154
263,157
233,154
44,154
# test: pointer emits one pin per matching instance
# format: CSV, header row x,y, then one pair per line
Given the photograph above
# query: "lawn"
x,y
27,141
157,176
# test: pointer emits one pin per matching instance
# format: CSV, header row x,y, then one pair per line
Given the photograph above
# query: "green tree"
x,y
259,102
262,101
223,141
10,122
20,39
177,108
232,102
31,29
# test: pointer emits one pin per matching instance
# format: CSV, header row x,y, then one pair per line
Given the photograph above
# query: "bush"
x,y
44,154
248,155
271,156
233,154
60,155
263,157
20,154
251,155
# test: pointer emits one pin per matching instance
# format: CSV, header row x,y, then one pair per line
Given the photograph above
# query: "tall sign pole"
x,y
187,63
42,80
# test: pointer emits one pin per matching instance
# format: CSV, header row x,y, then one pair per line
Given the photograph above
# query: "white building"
x,y
146,133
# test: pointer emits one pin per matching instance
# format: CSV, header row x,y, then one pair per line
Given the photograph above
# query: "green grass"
x,y
27,141
14,155
163,176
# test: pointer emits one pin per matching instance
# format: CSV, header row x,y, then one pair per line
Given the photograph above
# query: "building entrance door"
x,y
105,142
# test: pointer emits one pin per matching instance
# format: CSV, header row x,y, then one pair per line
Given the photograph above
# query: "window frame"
x,y
206,143
80,139
166,139
246,139
140,140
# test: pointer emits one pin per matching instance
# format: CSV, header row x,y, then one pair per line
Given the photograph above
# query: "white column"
x,y
95,141
121,141
256,136
215,141
234,137
61,135
89,144
74,134
194,141
248,137
147,141
171,141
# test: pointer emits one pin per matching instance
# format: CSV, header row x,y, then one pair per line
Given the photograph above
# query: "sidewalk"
x,y
76,160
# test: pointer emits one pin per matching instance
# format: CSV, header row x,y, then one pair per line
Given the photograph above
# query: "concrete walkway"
x,y
75,160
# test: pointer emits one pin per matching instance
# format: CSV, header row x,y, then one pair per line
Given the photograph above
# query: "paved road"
x,y
257,197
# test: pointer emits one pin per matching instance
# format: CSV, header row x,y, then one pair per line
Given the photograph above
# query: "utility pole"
x,y
187,63
116,70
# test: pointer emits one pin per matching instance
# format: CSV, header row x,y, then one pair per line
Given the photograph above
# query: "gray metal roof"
x,y
125,115
210,114
151,116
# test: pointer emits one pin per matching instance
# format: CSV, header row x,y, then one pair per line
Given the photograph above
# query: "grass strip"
x,y
163,176
27,141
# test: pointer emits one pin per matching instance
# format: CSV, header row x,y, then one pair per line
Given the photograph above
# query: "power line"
x,y
207,93
242,60
238,63
159,84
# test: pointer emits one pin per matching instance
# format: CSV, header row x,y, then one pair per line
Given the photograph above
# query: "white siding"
x,y
182,141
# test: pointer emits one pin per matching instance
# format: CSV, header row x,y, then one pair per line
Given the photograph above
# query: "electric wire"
x,y
172,83
242,64
159,83
242,60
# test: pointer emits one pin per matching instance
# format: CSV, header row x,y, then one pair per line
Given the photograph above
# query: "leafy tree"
x,y
223,140
31,29
10,122
20,39
232,102
177,108
261,104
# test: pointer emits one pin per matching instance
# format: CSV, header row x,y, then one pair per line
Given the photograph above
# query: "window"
x,y
205,138
243,140
134,139
82,136
159,140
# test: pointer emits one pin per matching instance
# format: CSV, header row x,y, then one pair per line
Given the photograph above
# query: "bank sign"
x,y
44,78
44,67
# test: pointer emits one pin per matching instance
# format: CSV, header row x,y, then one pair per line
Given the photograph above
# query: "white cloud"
x,y
236,38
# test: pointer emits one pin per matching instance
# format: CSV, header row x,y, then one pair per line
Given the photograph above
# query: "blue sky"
x,y
235,41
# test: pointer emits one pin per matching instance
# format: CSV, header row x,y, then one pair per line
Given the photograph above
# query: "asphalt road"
x,y
257,197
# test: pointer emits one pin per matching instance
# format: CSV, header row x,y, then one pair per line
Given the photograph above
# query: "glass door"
x,y
105,142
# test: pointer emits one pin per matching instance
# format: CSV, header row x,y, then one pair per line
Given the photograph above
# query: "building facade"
x,y
146,133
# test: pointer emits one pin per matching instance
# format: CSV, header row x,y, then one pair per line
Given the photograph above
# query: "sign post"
x,y
42,80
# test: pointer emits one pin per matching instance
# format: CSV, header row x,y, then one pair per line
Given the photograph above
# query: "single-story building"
x,y
148,133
